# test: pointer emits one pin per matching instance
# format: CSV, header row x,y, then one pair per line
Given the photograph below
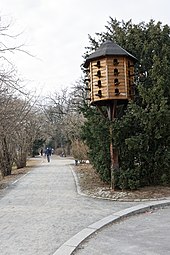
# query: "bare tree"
x,y
15,106
62,111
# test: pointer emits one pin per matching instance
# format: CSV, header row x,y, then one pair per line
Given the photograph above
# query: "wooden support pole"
x,y
113,151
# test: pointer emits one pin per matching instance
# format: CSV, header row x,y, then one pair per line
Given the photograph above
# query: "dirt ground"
x,y
90,184
16,174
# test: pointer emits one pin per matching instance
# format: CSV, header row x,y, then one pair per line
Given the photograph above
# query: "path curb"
x,y
80,192
70,246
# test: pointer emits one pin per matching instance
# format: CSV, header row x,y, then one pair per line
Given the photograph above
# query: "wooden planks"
x,y
110,80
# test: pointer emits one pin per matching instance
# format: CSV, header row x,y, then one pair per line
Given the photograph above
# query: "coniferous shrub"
x,y
142,134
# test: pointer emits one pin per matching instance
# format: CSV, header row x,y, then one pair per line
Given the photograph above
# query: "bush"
x,y
79,150
127,179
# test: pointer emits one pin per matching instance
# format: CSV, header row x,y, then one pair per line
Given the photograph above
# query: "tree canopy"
x,y
141,134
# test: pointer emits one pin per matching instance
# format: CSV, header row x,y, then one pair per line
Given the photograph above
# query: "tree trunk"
x,y
21,160
6,159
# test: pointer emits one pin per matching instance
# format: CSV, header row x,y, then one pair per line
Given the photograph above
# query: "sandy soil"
x,y
91,184
17,173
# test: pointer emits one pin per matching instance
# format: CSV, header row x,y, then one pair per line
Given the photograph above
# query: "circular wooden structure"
x,y
110,74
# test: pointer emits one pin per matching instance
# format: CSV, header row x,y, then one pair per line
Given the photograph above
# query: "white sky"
x,y
56,32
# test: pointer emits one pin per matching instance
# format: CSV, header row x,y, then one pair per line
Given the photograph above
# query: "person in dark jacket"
x,y
48,152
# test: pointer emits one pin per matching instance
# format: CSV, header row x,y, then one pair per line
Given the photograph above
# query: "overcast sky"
x,y
56,33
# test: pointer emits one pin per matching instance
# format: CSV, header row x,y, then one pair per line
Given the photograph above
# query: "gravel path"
x,y
144,234
42,210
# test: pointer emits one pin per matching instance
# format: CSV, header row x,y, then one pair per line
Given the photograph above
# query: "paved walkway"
x,y
143,234
42,211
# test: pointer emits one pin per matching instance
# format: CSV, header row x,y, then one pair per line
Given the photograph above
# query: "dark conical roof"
x,y
108,48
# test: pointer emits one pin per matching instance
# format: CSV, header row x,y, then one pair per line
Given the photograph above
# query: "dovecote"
x,y
110,74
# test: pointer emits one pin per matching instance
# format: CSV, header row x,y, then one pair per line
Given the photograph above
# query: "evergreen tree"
x,y
95,133
142,133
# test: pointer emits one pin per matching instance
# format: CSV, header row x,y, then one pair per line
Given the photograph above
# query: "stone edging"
x,y
70,246
78,188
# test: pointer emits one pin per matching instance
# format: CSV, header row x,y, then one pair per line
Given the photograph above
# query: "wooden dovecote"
x,y
110,74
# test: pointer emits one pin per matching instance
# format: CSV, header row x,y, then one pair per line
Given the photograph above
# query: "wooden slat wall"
x,y
120,77
130,76
103,79
125,69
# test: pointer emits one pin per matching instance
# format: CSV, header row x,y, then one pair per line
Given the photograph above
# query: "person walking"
x,y
48,154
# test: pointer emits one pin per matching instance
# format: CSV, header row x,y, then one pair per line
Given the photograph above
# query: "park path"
x,y
42,210
143,234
